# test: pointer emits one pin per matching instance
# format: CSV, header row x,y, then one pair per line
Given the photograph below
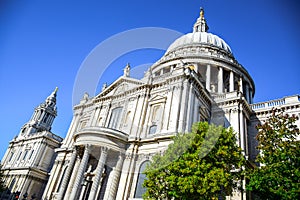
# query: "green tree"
x,y
197,165
278,177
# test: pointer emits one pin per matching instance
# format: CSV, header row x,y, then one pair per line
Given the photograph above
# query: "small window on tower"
x,y
11,156
25,154
31,154
45,118
19,155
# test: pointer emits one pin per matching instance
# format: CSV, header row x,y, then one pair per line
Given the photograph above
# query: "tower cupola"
x,y
42,117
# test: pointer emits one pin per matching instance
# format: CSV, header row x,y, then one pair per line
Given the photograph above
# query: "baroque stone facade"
x,y
114,134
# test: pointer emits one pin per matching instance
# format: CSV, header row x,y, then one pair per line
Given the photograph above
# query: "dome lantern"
x,y
200,25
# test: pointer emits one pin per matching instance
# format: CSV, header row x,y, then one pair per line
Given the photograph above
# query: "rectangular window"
x,y
115,118
11,156
25,154
31,154
19,155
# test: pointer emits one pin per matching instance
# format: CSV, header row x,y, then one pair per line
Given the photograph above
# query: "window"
x,y
19,155
11,156
166,70
115,118
31,154
152,129
25,154
157,73
156,113
140,190
45,117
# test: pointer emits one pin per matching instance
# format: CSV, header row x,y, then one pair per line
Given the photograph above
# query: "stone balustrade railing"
x,y
229,95
277,102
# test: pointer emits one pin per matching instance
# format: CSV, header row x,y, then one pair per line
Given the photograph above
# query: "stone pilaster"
x,y
208,75
247,92
231,81
241,85
242,134
220,80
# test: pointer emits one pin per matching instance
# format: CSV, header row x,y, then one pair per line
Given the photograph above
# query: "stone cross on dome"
x,y
200,25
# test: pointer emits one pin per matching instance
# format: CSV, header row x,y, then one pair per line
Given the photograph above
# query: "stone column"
x,y
115,179
208,72
247,92
241,85
220,80
66,177
189,110
80,173
231,81
72,179
250,95
183,106
98,173
242,134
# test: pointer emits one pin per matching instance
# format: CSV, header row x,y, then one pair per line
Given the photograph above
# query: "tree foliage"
x,y
197,165
279,174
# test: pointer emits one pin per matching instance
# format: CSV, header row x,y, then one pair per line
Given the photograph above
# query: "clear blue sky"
x,y
43,44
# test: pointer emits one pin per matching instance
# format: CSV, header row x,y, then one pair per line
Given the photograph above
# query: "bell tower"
x,y
42,117
30,156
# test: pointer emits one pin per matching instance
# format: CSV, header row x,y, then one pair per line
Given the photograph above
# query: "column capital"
x,y
88,147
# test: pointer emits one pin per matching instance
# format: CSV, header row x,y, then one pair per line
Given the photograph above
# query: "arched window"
x,y
140,190
115,118
152,129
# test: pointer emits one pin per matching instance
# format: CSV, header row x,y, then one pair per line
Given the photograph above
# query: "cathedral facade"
x,y
113,135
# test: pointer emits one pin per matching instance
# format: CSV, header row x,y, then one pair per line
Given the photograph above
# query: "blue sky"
x,y
43,44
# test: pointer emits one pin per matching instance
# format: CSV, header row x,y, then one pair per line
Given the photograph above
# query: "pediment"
x,y
120,86
157,98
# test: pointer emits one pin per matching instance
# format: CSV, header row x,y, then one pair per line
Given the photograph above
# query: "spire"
x,y
42,117
200,25
51,99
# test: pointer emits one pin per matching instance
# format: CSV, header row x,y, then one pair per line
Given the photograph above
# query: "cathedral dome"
x,y
199,38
